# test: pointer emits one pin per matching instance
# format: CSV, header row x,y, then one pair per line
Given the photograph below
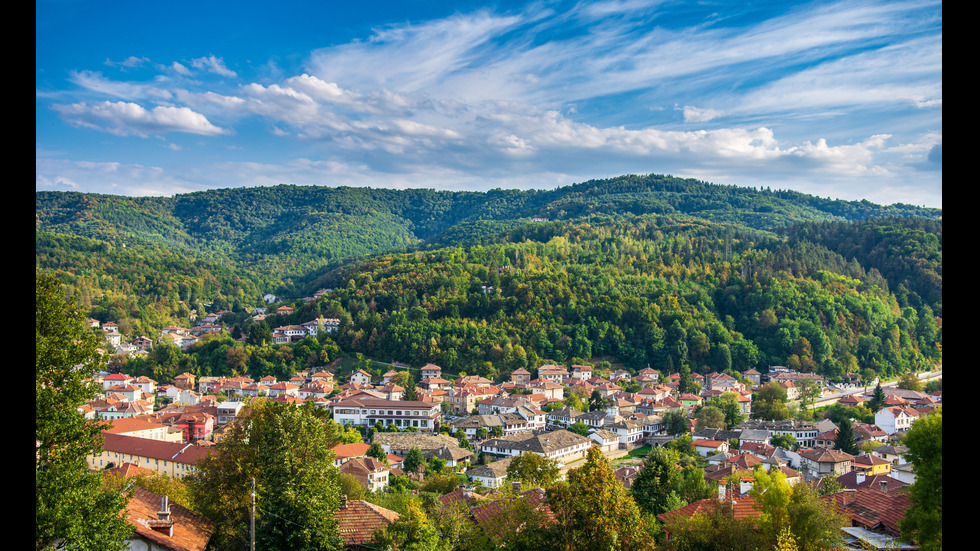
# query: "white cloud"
x,y
214,65
130,62
130,119
180,69
696,114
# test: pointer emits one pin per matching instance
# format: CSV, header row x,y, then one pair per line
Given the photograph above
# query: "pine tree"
x,y
845,441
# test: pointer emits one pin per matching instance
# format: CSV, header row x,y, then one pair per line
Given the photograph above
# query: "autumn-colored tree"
x,y
533,470
594,511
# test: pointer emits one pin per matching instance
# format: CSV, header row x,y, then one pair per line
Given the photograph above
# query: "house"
x,y
361,377
430,371
175,460
368,471
871,508
520,376
228,411
871,465
115,379
630,431
196,426
142,428
491,475
489,515
158,524
357,521
345,452
895,419
608,441
184,381
559,445
582,372
706,447
821,462
363,411
553,373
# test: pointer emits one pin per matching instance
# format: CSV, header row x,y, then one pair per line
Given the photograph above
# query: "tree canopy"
x,y
72,509
594,511
287,451
924,518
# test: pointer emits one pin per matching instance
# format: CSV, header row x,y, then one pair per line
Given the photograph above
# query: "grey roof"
x,y
754,435
409,440
542,443
496,469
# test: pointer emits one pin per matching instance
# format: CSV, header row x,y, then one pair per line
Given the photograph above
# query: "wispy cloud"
x,y
822,96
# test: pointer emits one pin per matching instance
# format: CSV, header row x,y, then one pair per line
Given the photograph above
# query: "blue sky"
x,y
838,99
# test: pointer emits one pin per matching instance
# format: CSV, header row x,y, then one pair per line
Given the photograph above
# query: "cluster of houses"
x,y
501,421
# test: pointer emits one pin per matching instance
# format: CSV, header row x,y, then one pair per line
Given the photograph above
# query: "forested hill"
x,y
649,269
354,221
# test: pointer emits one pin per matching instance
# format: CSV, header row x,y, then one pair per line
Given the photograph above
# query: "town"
x,y
404,426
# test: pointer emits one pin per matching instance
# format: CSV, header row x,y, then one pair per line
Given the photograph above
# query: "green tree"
x,y
877,400
809,392
72,509
658,486
287,451
411,532
596,401
675,422
413,460
813,523
594,511
785,441
769,403
579,428
923,520
845,440
909,381
710,417
376,451
533,470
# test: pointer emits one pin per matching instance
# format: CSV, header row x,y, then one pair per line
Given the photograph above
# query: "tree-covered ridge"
x,y
144,287
645,290
908,252
695,280
227,220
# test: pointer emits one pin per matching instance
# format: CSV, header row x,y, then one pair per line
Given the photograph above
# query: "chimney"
x,y
343,501
516,485
164,513
162,524
883,485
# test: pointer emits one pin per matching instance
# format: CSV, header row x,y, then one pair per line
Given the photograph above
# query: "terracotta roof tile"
x,y
359,519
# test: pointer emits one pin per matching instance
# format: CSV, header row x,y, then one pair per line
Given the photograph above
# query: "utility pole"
x,y
253,516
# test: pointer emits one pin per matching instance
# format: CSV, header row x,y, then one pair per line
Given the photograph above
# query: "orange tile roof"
x,y
872,508
359,519
190,531
744,507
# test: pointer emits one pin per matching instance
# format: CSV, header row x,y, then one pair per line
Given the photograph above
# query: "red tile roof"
x,y
359,519
190,531
872,508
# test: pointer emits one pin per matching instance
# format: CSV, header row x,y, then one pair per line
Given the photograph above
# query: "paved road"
x,y
832,399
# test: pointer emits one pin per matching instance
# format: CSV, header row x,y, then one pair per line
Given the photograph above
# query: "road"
x,y
832,399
